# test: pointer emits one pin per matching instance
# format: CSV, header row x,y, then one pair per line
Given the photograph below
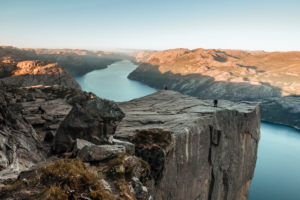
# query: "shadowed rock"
x,y
96,153
20,147
94,120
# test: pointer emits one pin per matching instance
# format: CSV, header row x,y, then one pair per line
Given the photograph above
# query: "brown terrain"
x,y
76,61
272,78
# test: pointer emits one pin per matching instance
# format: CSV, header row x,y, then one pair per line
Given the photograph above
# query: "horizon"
x,y
265,25
125,50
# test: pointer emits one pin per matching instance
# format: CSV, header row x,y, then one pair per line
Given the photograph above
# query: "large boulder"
x,y
93,120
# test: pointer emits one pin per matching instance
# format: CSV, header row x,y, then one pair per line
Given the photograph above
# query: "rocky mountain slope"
x,y
230,74
35,72
77,62
63,143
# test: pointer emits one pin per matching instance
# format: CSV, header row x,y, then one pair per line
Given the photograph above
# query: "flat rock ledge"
x,y
195,150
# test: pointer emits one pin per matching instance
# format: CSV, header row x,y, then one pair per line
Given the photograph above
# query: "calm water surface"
x,y
112,83
277,173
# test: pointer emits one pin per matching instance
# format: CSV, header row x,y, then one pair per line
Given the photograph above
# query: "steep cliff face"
x,y
211,153
271,78
20,147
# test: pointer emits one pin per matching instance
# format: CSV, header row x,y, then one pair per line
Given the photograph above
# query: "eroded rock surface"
x,y
168,146
20,147
36,72
93,120
212,151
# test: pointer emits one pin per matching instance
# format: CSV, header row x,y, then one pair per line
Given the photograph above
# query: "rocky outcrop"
x,y
76,61
31,73
93,120
168,146
30,170
195,150
267,77
20,147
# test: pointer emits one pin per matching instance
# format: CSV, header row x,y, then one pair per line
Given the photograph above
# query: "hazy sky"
x,y
151,24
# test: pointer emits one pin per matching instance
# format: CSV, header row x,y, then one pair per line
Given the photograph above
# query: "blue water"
x,y
277,173
112,83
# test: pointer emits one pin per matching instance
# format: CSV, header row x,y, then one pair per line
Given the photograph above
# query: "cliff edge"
x,y
195,150
71,144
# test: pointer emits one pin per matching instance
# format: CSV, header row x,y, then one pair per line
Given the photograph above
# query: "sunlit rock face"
x,y
75,61
278,72
37,72
271,78
195,150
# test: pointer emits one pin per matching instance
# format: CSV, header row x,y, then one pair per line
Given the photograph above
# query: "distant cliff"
x,y
77,62
36,72
230,74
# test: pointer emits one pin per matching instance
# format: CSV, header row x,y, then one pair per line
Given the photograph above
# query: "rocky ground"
x,y
271,78
58,144
62,143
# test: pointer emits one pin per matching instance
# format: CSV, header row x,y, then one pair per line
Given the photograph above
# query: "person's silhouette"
x,y
215,103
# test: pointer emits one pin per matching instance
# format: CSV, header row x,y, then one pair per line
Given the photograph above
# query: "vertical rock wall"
x,y
213,151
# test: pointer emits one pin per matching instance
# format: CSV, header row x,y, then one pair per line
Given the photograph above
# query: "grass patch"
x,y
147,138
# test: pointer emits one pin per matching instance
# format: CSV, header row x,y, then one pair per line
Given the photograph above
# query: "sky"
x,y
269,25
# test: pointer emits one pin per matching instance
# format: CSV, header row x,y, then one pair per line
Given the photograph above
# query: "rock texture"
x,y
282,110
228,74
76,61
20,147
93,120
211,153
168,146
30,118
36,72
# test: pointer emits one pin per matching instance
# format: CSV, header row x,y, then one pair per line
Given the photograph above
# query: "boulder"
x,y
93,120
95,153
130,148
80,144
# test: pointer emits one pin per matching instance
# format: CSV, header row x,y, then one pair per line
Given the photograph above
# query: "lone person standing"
x,y
215,103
